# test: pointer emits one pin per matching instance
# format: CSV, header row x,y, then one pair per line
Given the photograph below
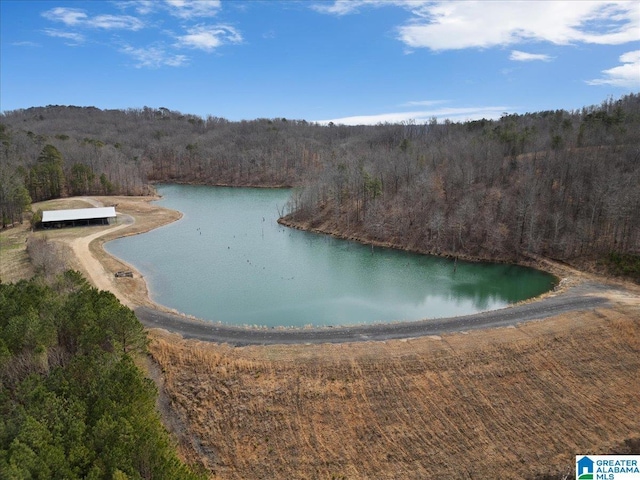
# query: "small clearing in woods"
x,y
512,402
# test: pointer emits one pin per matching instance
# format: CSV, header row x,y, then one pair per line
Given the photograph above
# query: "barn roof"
x,y
78,214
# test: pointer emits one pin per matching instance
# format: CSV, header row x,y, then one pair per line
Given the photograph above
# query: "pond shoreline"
x,y
556,268
243,269
576,291
546,265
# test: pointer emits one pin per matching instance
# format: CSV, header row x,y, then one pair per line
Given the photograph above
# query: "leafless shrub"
x,y
47,257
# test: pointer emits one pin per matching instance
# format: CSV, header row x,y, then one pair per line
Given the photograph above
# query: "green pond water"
x,y
228,260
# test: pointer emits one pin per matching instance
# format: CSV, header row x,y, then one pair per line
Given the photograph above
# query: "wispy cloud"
x,y
109,22
347,7
193,8
158,54
210,37
74,17
445,25
518,56
26,44
144,7
626,75
459,114
184,9
269,34
68,16
73,37
423,103
154,57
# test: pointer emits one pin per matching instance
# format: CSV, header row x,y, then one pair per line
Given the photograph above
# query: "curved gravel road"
x,y
585,296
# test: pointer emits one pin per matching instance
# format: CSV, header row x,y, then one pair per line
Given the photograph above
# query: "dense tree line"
x,y
565,185
73,404
558,183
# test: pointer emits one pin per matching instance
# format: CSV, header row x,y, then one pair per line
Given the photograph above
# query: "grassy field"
x,y
14,260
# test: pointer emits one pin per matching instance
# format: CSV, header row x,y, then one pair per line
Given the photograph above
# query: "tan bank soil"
x,y
509,402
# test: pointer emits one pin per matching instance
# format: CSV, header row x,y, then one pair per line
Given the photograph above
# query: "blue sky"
x,y
346,61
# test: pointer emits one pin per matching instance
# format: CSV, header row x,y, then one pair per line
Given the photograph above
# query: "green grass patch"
x,y
12,238
9,244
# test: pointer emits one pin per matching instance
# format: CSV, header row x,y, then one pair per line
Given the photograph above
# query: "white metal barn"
x,y
78,216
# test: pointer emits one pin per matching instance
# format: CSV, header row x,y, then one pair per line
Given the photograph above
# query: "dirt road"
x,y
98,276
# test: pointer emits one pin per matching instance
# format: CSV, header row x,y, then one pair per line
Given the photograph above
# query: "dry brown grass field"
x,y
14,260
502,403
516,402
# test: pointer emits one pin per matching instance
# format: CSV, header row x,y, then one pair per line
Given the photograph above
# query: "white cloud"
x,y
109,22
346,7
154,57
460,114
626,75
158,54
144,7
519,56
452,25
75,38
457,25
193,8
423,103
68,16
209,37
78,18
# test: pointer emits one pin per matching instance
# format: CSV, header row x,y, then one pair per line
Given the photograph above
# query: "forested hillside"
x,y
558,183
565,185
73,404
